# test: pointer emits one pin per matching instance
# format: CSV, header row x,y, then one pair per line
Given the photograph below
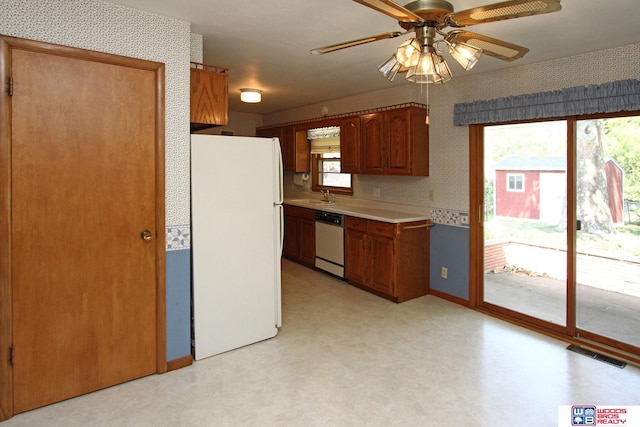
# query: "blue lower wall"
x,y
450,248
178,304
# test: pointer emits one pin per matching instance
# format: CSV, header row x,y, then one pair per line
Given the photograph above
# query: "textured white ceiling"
x,y
266,43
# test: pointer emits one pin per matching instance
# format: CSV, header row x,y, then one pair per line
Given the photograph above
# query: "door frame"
x,y
569,333
7,44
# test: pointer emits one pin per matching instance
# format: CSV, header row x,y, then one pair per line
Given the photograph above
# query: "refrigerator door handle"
x,y
279,197
281,214
278,284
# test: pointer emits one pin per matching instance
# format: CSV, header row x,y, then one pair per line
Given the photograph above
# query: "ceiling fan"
x,y
420,57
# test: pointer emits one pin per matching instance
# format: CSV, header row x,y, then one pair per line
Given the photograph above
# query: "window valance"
x,y
621,95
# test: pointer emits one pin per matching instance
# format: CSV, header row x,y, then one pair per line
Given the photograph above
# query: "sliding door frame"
x,y
570,332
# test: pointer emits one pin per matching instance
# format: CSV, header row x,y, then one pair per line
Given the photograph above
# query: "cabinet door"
x,y
381,263
287,144
307,241
355,262
371,144
291,237
398,142
209,97
350,145
301,151
268,133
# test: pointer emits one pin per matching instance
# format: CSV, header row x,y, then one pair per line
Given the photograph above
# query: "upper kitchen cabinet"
x,y
209,96
296,151
395,142
372,143
350,144
390,142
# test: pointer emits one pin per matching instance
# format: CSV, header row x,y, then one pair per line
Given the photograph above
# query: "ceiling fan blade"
x,y
500,11
392,9
493,47
344,45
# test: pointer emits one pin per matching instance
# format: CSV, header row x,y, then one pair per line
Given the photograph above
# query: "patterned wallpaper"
x,y
448,145
101,26
105,27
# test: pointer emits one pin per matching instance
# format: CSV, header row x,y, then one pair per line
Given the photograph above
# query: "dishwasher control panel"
x,y
329,218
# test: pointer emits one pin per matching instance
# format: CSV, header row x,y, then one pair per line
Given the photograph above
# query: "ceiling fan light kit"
x,y
418,56
465,54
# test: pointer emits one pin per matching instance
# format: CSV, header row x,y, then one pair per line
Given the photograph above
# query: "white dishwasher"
x,y
330,242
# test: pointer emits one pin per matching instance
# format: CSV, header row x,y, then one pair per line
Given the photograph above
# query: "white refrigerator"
x,y
237,232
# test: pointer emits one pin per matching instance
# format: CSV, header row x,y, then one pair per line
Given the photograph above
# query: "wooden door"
x,y
350,145
291,236
372,143
307,241
87,289
381,262
287,145
398,140
356,255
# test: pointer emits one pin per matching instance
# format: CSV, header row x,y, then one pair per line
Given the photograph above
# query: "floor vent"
x,y
597,356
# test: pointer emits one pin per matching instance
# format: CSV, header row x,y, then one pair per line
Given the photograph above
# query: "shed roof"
x,y
532,163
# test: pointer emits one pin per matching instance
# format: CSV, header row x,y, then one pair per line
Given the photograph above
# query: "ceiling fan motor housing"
x,y
429,10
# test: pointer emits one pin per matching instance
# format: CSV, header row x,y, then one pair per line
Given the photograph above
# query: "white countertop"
x,y
392,214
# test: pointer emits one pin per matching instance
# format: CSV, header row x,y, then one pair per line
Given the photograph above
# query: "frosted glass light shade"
x,y
251,96
431,68
408,53
390,68
466,55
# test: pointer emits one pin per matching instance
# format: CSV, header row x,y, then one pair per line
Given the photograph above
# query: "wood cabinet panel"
x,y
399,142
296,151
381,266
299,235
209,96
350,145
390,142
390,260
355,254
372,143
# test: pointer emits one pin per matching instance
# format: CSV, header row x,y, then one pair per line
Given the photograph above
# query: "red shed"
x,y
535,187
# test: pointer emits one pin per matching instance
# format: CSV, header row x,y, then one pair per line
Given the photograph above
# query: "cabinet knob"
x,y
146,235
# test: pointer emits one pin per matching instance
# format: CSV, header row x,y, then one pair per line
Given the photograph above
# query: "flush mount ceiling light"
x,y
251,96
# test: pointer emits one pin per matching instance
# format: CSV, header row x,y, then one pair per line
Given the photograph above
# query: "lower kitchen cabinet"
x,y
299,235
389,260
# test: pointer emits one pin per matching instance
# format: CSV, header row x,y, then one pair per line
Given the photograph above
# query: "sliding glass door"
x,y
608,236
558,239
525,199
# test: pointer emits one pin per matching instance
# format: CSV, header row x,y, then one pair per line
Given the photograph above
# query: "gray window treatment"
x,y
621,95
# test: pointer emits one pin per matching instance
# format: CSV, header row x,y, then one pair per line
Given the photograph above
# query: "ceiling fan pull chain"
x,y
426,120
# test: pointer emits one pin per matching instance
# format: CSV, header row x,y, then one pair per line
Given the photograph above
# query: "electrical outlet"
x,y
443,272
431,195
376,192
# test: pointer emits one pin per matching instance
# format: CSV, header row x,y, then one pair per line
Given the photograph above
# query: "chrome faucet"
x,y
327,196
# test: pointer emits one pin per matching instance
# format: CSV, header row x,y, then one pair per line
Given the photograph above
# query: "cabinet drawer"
x,y
354,223
299,212
381,228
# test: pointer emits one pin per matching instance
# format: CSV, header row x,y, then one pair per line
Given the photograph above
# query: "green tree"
x,y
592,201
621,140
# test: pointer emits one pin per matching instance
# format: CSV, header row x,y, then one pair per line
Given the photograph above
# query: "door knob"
x,y
146,235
